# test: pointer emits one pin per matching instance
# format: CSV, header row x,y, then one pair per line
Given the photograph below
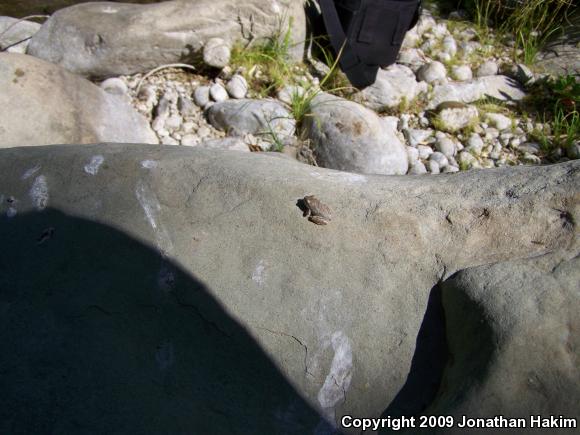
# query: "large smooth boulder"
x,y
110,39
173,290
45,104
349,137
19,8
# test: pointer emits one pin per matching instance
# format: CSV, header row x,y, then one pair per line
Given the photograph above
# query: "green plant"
x,y
267,63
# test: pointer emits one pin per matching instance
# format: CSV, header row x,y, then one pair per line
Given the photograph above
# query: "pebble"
x,y
237,87
216,53
201,96
440,158
190,140
418,169
424,151
218,93
417,137
450,169
169,141
412,154
499,121
461,73
434,167
114,86
431,72
186,107
173,122
487,68
475,144
466,158
446,146
449,45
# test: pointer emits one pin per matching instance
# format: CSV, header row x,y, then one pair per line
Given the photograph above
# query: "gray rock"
x,y
431,72
114,86
49,105
186,107
218,93
393,84
237,87
414,58
417,168
14,35
216,53
530,340
19,8
173,122
439,158
499,121
573,151
258,117
220,270
190,140
499,87
461,73
417,137
168,140
450,169
201,96
453,119
112,39
348,136
487,68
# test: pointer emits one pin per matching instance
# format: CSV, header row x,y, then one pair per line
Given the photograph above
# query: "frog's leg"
x,y
318,220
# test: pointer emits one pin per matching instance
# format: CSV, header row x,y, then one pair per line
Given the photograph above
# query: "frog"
x,y
317,212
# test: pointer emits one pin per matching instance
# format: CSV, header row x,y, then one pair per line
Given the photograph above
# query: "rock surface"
x,y
110,39
49,105
14,35
212,286
350,137
239,117
19,8
393,84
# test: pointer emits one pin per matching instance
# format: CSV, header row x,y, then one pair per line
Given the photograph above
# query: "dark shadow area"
x,y
455,346
101,335
429,360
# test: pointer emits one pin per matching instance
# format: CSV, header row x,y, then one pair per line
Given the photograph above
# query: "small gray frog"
x,y
317,212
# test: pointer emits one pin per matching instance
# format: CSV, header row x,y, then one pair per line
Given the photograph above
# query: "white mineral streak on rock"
x,y
39,192
258,275
30,172
94,165
152,208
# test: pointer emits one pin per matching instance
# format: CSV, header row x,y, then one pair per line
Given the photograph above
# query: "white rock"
x,y
424,151
431,72
190,140
237,87
412,154
461,73
424,24
499,87
392,85
417,169
169,141
440,158
414,58
450,169
446,146
417,137
453,119
434,167
487,68
499,121
449,45
218,93
475,144
216,53
173,122
201,96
